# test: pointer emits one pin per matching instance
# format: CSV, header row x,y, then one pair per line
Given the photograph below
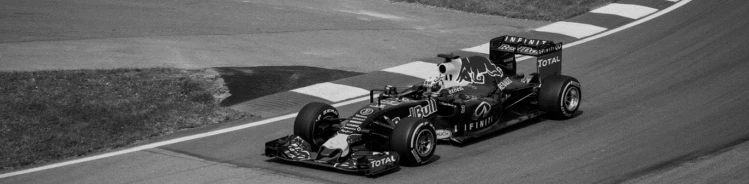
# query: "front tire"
x,y
314,124
560,97
415,140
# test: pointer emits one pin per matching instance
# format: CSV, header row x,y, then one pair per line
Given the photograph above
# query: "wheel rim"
x,y
572,99
424,142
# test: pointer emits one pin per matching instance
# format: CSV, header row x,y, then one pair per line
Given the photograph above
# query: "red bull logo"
x,y
423,111
476,70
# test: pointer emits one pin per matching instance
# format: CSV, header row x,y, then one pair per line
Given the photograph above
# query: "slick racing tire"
x,y
314,124
560,97
415,140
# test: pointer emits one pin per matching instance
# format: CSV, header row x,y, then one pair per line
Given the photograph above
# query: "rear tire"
x,y
560,97
313,123
415,140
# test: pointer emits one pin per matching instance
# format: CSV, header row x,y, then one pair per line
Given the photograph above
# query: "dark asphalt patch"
x,y
248,83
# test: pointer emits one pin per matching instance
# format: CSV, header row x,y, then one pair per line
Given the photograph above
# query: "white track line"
x,y
418,69
625,10
331,91
573,29
289,116
374,14
483,48
631,24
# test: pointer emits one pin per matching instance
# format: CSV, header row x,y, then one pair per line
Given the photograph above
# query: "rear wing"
x,y
502,50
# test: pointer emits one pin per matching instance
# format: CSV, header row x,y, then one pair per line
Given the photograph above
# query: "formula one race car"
x,y
471,97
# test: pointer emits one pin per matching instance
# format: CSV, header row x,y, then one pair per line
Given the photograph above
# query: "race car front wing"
x,y
293,148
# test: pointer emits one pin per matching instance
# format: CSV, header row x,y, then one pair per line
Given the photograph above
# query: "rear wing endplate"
x,y
548,53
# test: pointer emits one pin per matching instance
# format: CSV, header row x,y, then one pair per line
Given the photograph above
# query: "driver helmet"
x,y
390,91
433,84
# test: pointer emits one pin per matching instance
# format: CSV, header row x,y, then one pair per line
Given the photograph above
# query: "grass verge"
x,y
50,115
549,10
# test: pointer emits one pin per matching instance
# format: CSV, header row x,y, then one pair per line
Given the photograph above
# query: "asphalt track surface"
x,y
352,35
657,93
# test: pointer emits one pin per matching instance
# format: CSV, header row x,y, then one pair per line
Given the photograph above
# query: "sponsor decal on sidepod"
x,y
479,124
502,85
455,90
482,111
423,111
